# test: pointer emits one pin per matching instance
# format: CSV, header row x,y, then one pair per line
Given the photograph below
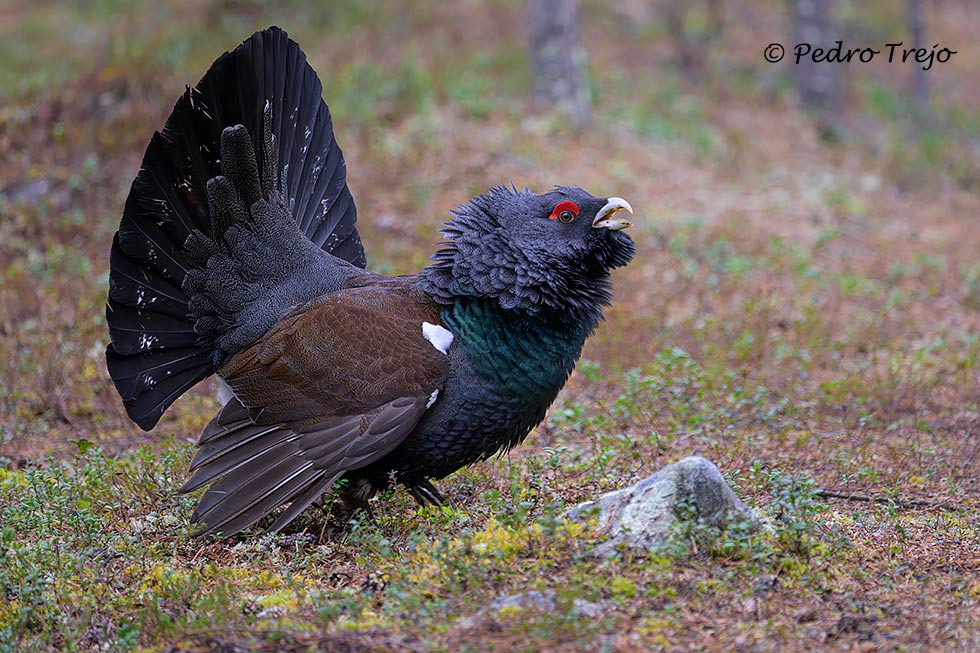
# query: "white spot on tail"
x,y
440,337
432,398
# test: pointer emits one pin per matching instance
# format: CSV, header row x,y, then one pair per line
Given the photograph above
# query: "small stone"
x,y
531,600
272,612
588,609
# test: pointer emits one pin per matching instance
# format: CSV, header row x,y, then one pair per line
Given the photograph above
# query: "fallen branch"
x,y
895,501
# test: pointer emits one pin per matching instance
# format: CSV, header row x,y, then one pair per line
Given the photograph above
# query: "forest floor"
x,y
803,311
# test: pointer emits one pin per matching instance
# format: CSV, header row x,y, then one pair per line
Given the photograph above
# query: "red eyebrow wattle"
x,y
567,205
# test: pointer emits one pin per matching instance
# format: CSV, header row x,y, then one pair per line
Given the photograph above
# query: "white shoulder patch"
x,y
432,398
225,393
440,337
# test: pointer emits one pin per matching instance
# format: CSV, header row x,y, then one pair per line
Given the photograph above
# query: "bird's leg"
x,y
425,493
351,502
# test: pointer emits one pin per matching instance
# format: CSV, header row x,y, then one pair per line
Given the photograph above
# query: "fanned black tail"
x,y
155,354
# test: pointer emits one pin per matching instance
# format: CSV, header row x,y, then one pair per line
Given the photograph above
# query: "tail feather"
x,y
155,354
133,282
150,381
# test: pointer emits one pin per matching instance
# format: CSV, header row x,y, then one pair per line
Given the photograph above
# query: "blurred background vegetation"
x,y
804,308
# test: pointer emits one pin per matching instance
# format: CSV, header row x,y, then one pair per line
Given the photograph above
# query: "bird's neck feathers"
x,y
478,259
522,355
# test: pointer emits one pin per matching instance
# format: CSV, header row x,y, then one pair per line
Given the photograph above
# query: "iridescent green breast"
x,y
523,356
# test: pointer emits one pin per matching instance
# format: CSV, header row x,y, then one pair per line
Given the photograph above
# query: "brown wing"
x,y
333,387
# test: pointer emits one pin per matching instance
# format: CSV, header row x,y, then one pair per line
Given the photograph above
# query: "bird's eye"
x,y
565,211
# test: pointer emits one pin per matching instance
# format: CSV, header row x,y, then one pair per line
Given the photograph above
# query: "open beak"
x,y
604,218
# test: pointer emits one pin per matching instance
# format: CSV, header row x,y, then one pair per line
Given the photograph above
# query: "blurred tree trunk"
x,y
920,83
818,84
693,45
558,58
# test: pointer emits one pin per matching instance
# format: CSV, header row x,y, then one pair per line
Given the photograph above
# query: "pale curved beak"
x,y
604,218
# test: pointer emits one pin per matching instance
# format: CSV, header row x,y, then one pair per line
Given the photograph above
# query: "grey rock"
x,y
530,600
644,515
537,601
588,609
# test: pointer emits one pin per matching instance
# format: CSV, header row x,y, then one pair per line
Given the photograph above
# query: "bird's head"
x,y
548,253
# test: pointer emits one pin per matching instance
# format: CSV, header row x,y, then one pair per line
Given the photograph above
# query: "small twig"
x,y
901,503
22,626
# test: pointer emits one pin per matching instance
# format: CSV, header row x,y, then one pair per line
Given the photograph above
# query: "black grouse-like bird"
x,y
237,255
